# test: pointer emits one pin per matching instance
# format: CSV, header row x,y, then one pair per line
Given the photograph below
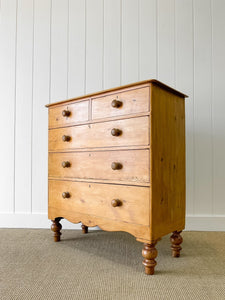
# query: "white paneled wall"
x,y
57,49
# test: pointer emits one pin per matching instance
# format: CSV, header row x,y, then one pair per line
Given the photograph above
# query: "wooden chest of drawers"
x,y
117,160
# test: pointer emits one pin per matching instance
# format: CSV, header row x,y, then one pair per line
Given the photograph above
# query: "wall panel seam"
x,y
139,44
50,53
15,95
212,101
175,42
194,137
85,47
103,42
32,113
121,25
157,38
68,30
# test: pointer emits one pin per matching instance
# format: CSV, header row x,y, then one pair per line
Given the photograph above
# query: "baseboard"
x,y
40,220
205,223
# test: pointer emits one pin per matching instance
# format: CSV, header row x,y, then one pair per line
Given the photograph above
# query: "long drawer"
x,y
123,203
132,165
127,132
121,103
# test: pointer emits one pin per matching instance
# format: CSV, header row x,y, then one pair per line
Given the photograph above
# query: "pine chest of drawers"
x,y
117,160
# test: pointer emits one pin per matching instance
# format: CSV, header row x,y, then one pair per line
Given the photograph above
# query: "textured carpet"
x,y
107,265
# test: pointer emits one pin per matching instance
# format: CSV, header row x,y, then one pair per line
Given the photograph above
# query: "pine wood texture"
x,y
98,165
134,132
176,239
96,199
149,254
56,227
84,228
117,160
132,101
167,163
78,112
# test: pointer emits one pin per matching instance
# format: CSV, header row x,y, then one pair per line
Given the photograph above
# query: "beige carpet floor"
x,y
107,265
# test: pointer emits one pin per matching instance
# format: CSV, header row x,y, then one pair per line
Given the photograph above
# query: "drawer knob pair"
x,y
66,195
116,166
116,132
116,103
116,202
65,164
66,138
66,113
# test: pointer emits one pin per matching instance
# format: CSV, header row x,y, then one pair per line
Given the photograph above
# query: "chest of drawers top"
x,y
116,103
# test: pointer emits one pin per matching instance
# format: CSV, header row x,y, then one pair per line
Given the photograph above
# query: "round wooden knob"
x,y
66,113
66,138
116,202
116,166
116,132
116,103
65,164
65,195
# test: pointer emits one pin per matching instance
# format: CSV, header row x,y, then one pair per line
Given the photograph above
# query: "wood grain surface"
x,y
167,162
97,165
78,113
95,199
133,101
134,132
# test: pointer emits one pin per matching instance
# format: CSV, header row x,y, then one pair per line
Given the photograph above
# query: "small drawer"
x,y
123,203
128,102
123,165
127,132
68,114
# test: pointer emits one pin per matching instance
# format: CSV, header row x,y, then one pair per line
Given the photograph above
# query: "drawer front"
x,y
132,165
68,114
133,132
129,102
131,204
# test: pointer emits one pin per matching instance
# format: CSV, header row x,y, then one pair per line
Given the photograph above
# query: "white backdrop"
x,y
58,49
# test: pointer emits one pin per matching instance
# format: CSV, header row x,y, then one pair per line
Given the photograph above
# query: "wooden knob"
x,y
116,202
66,113
66,138
66,195
65,164
116,103
116,132
116,166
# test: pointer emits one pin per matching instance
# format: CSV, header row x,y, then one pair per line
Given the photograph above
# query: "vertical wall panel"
x,y
130,41
59,50
166,41
184,82
76,50
218,73
94,45
7,89
42,14
202,107
147,39
24,74
112,43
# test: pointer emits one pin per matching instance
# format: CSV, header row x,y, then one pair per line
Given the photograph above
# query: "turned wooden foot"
x,y
84,228
56,227
176,239
149,253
